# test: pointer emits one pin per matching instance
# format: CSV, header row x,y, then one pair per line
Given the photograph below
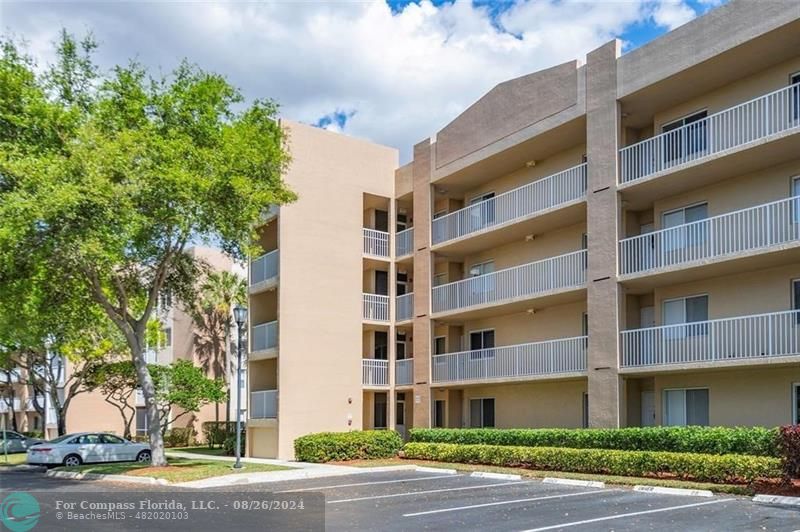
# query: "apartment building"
x,y
601,244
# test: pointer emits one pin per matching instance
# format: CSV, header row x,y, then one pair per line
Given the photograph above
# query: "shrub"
x,y
216,432
789,445
229,444
711,440
179,437
690,466
333,446
33,434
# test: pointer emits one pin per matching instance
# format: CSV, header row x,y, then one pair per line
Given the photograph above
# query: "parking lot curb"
x,y
777,500
74,475
673,491
574,482
495,476
422,469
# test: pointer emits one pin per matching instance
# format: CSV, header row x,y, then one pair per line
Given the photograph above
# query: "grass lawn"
x,y
179,469
736,489
13,459
219,451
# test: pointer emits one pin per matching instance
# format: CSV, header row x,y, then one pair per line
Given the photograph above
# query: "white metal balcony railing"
x,y
9,376
748,229
404,372
376,243
745,337
375,307
15,405
553,357
264,404
747,122
374,372
404,242
546,193
150,356
264,336
561,272
264,267
404,307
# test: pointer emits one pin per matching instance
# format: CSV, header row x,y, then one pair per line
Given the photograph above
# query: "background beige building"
x,y
600,244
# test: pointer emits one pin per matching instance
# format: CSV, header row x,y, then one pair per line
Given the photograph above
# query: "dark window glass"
x,y
488,412
697,407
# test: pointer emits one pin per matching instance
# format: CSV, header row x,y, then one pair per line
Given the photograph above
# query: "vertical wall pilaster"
x,y
421,177
603,207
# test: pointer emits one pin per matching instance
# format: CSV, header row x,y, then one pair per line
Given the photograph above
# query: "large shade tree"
x,y
106,178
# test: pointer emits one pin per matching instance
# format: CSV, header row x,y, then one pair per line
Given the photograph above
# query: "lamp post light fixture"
x,y
240,316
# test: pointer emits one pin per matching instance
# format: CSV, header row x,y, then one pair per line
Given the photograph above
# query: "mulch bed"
x,y
777,487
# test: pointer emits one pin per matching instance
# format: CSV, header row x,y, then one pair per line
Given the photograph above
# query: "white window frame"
x,y
684,117
795,413
682,208
480,266
674,334
794,75
439,214
794,182
483,197
481,399
484,351
685,389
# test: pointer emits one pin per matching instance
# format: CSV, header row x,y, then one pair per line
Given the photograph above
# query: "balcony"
x,y
759,339
764,118
376,243
404,243
264,272
531,200
375,307
264,404
553,358
404,372
15,405
764,228
536,279
10,376
263,340
404,307
374,372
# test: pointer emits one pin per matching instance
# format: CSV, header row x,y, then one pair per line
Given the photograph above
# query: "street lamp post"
x,y
240,316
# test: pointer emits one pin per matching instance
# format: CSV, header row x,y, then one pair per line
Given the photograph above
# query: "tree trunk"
x,y
158,458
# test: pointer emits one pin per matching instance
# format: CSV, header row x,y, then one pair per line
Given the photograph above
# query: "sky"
x,y
393,71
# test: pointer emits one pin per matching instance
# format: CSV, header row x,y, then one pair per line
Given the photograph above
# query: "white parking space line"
x,y
630,514
500,503
409,493
396,481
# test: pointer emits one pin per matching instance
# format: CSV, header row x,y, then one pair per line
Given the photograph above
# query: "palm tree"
x,y
213,317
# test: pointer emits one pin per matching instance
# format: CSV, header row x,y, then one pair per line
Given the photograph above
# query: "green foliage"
x,y
183,388
726,468
216,432
180,437
789,445
712,440
229,445
357,445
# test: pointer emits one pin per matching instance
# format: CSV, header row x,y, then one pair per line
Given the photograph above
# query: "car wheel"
x,y
143,456
72,460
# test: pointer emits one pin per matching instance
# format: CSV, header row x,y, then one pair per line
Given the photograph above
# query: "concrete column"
x,y
603,207
421,176
391,396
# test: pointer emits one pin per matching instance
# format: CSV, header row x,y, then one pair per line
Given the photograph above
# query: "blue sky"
x,y
391,73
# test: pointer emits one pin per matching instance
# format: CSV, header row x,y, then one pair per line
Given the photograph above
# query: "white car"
x,y
87,447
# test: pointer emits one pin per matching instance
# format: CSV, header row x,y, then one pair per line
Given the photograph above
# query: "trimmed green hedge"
x,y
357,445
729,468
756,441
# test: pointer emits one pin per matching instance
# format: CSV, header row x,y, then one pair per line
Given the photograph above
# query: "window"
x,y
380,411
382,221
685,407
688,143
481,344
686,310
585,422
440,345
168,337
481,211
381,351
482,268
483,284
585,324
401,346
481,413
796,298
438,414
400,409
89,439
110,438
795,80
796,403
381,283
691,235
402,222
141,421
402,283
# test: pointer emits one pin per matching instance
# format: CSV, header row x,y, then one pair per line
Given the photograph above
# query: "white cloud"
x,y
399,76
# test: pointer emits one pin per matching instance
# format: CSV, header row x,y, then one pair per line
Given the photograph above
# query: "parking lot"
x,y
409,500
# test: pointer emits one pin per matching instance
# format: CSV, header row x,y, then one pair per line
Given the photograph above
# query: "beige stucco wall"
x,y
536,405
319,307
753,396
